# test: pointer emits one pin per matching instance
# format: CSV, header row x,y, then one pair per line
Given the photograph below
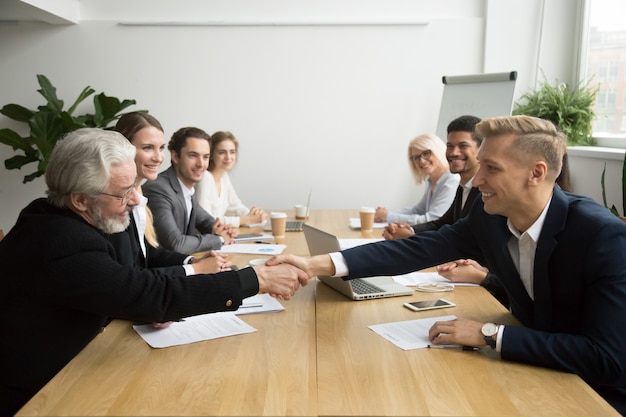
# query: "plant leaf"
x,y
107,109
12,139
45,129
87,91
50,94
18,161
32,176
17,112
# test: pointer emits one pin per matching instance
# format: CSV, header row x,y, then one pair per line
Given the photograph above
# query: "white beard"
x,y
108,225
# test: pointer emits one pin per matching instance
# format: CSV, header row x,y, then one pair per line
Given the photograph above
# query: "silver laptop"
x,y
320,242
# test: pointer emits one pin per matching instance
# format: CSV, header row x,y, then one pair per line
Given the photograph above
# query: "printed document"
x,y
410,334
194,329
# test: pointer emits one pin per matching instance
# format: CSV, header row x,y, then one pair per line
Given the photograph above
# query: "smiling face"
x,y
426,161
150,144
192,161
461,153
501,178
225,155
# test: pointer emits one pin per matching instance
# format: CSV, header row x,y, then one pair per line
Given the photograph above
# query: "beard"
x,y
109,225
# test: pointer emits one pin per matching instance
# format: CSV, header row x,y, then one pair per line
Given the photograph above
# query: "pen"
x,y
266,243
474,348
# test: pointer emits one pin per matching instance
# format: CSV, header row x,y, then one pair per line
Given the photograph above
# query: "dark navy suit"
x,y
577,321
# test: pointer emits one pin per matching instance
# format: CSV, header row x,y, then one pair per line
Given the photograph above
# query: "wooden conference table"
x,y
318,357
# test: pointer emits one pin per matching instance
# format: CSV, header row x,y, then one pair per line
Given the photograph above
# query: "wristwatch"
x,y
489,330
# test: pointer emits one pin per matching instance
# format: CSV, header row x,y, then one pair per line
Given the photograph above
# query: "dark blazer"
x,y
456,211
167,202
128,252
577,319
60,284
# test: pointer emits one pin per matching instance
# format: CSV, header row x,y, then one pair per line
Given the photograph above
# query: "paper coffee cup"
x,y
367,218
279,223
300,211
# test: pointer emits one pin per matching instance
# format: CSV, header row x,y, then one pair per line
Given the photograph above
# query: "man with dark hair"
x,y
461,150
181,224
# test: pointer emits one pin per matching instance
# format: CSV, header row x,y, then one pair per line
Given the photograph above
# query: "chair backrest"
x,y
1,234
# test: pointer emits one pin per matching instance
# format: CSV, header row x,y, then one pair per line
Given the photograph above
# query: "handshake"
x,y
282,275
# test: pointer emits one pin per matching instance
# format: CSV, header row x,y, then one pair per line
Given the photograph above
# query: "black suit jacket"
x,y
577,319
128,252
456,211
60,283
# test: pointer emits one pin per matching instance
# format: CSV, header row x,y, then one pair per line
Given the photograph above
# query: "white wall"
x,y
325,107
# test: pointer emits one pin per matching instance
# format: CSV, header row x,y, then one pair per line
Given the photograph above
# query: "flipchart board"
x,y
480,95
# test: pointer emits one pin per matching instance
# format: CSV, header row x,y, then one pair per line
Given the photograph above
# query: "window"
x,y
604,61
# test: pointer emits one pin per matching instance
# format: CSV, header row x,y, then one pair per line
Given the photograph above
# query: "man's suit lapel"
x,y
520,302
468,204
180,198
553,225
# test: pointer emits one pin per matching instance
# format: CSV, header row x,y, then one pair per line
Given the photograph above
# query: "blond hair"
x,y
534,138
427,142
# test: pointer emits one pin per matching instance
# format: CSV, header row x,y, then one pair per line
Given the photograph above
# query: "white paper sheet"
x,y
260,303
253,248
410,334
194,329
413,279
355,223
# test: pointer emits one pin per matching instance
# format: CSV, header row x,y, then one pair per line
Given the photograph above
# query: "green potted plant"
x,y
613,209
50,122
570,108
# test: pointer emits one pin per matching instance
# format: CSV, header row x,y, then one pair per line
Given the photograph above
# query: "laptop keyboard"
x,y
294,226
363,287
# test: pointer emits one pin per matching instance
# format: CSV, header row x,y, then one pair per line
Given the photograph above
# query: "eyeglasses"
x,y
124,197
424,155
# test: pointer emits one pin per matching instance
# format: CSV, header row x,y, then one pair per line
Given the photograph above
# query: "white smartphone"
x,y
429,304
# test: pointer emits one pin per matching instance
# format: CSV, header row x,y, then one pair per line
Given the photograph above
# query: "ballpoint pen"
x,y
474,348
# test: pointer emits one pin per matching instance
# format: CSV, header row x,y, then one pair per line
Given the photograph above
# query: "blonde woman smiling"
x,y
427,159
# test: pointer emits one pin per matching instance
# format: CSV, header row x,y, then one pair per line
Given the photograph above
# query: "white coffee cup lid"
x,y
278,214
367,210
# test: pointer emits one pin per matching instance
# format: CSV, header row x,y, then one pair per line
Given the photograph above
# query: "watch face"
x,y
489,329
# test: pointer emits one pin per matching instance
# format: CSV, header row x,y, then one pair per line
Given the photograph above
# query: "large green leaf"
x,y
32,176
107,109
17,112
12,139
45,129
18,161
82,96
50,94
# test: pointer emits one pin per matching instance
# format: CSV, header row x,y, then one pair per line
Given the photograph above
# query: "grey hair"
x,y
81,163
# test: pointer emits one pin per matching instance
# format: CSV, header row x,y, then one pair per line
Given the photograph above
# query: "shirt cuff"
x,y
341,267
499,338
187,260
189,270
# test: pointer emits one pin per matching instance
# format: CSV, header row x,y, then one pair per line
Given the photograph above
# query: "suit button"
x,y
229,303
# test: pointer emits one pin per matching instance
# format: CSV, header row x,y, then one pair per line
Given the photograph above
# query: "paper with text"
x,y
260,303
253,248
410,334
194,329
413,279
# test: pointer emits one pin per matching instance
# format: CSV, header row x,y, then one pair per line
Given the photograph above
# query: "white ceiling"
x,y
58,12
